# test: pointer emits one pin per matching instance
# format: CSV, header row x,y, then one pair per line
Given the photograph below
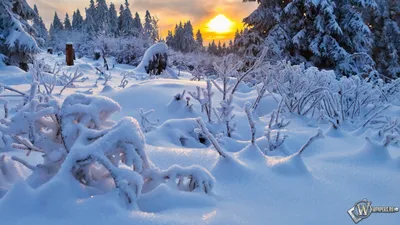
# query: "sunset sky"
x,y
169,12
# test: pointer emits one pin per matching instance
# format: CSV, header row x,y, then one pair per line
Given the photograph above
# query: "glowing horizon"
x,y
169,12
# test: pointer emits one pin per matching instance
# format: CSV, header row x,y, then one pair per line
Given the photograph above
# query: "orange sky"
x,y
169,12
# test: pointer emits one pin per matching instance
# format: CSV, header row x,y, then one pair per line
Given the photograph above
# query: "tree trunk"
x,y
69,49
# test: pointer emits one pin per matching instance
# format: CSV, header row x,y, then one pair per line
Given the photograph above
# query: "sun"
x,y
220,24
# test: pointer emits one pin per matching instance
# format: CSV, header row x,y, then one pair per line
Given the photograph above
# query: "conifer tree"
x,y
42,35
199,40
57,24
113,20
90,21
14,16
67,23
137,24
126,20
101,17
77,21
329,34
148,28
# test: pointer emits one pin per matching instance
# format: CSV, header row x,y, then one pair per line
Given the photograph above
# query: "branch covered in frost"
x,y
70,79
145,122
211,138
319,135
274,143
249,113
184,178
204,101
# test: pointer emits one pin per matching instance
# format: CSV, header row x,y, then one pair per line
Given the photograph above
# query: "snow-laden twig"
x,y
257,64
203,96
226,115
319,135
390,139
145,122
23,162
274,143
70,79
249,113
124,81
211,138
375,115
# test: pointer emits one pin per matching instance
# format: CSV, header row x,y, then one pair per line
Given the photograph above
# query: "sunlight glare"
x,y
220,24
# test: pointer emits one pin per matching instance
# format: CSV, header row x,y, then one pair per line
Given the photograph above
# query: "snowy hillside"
x,y
175,168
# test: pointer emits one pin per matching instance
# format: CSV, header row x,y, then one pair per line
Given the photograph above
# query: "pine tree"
x,y
90,21
77,21
199,40
179,33
386,32
42,35
101,17
126,19
67,23
230,47
137,24
113,20
14,16
120,18
212,48
188,41
155,35
170,40
57,24
327,33
56,28
148,28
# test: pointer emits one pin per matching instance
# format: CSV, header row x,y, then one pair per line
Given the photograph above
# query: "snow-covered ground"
x,y
316,187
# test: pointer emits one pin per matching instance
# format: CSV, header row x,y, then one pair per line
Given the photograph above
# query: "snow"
x,y
317,186
158,48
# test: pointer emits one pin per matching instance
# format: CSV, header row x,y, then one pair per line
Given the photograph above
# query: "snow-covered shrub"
x,y
200,64
204,97
315,93
78,140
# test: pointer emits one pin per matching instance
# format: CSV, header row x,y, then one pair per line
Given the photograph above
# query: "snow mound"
x,y
252,154
107,88
158,48
290,165
177,132
10,173
165,198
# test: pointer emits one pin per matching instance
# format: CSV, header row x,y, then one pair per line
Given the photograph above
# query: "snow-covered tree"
x,y
212,48
102,22
57,24
170,40
77,21
328,33
148,27
90,21
386,31
199,39
183,39
67,23
16,42
42,35
113,20
126,21
137,24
